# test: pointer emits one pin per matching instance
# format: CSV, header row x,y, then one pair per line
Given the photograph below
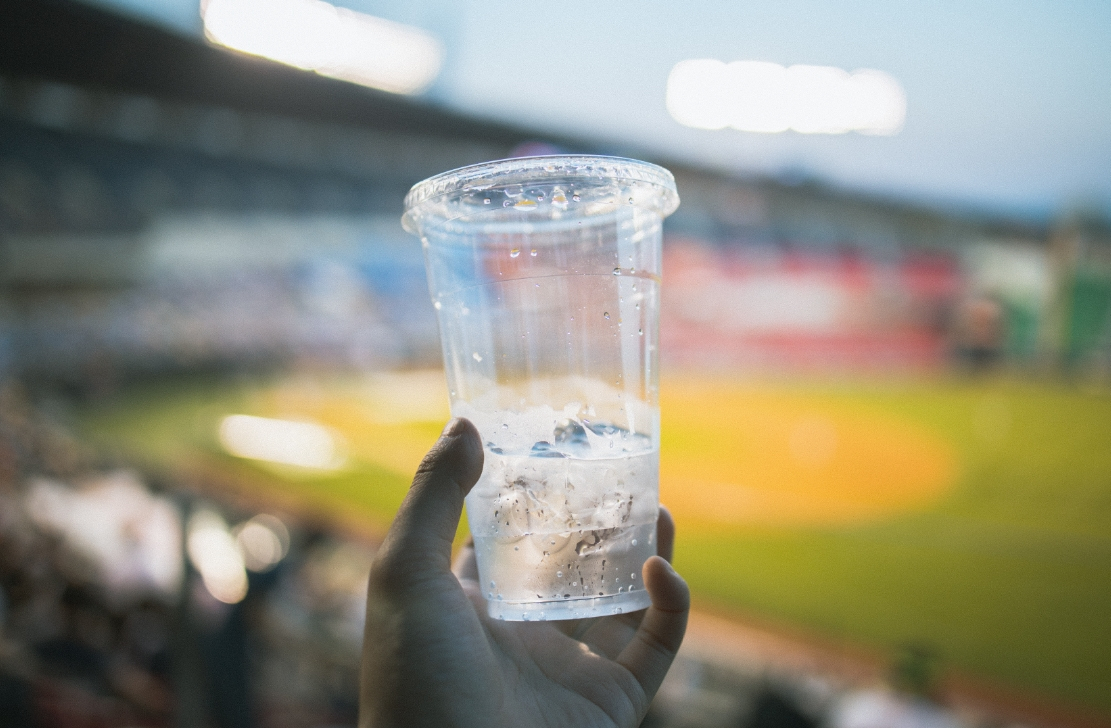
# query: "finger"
x,y
465,566
648,656
611,635
418,544
665,534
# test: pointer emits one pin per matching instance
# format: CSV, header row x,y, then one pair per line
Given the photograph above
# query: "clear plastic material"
x,y
545,274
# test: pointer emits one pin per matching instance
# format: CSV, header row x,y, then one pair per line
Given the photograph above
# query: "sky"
x,y
1008,102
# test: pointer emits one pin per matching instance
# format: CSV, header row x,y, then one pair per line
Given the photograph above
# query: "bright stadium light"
x,y
335,42
303,444
769,98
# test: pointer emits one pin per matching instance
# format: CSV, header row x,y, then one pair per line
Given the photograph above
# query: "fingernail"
x,y
452,428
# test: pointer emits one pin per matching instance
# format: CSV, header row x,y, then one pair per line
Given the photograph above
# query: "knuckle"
x,y
387,577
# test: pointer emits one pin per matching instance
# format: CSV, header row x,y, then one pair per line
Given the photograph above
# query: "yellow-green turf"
x,y
1005,571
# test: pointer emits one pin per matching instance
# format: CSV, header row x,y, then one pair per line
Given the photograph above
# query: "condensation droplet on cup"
x,y
507,203
514,253
630,200
640,332
617,271
493,585
634,542
476,356
532,252
606,314
575,198
437,305
486,201
559,574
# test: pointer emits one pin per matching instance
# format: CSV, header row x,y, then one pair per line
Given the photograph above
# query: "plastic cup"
x,y
545,276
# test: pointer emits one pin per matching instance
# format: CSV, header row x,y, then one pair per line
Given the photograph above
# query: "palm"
x,y
433,657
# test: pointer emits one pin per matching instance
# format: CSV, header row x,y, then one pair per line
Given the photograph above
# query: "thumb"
x,y
418,545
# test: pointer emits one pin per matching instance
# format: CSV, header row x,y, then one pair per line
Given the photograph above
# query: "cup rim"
x,y
502,173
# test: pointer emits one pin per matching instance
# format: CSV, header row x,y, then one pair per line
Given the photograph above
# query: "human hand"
x,y
432,656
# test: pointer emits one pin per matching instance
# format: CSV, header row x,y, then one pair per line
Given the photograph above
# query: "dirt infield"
x,y
738,456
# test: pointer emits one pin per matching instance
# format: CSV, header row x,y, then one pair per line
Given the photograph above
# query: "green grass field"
x,y
972,517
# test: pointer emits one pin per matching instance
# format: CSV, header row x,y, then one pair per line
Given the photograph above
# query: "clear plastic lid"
x,y
530,189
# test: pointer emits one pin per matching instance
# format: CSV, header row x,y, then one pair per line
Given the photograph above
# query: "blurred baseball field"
x,y
972,517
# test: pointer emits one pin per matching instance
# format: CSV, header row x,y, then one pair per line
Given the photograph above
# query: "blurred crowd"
x,y
112,611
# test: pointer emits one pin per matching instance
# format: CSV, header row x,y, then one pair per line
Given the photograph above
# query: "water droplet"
x,y
634,542
505,426
507,203
574,583
524,617
630,200
633,576
640,331
493,585
539,197
576,199
617,610
476,356
559,574
620,590
500,597
486,201
606,314
514,253
532,252
437,305
617,271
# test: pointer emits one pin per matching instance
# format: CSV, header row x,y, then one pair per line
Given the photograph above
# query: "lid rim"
x,y
536,169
